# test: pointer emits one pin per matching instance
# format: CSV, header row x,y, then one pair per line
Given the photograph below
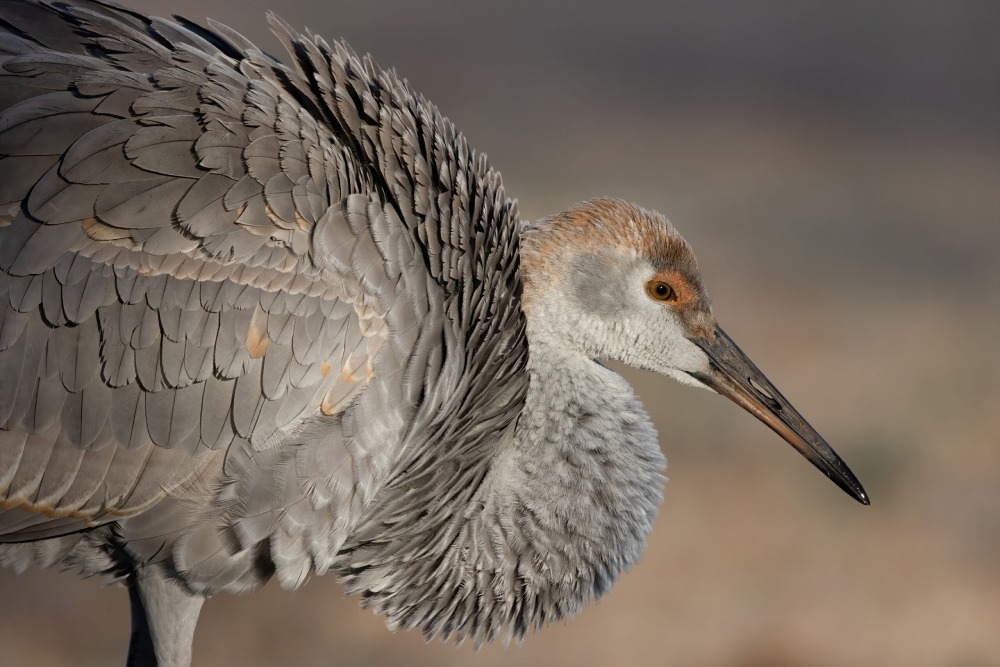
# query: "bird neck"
x,y
546,524
576,492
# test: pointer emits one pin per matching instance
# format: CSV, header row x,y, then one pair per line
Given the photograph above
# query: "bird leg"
x,y
164,615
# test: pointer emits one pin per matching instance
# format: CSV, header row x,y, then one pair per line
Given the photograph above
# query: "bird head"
x,y
615,281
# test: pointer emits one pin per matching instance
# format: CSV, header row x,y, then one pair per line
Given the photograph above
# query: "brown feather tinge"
x,y
599,224
257,338
98,231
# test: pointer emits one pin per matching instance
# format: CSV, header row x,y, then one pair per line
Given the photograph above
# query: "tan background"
x,y
837,168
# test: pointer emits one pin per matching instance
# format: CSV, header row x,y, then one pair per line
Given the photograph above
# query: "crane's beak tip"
x,y
846,480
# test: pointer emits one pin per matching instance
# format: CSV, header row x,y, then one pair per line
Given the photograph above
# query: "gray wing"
x,y
237,300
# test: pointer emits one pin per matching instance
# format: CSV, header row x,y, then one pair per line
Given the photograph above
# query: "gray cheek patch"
x,y
598,283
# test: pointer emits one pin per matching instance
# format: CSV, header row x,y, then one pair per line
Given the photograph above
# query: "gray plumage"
x,y
273,320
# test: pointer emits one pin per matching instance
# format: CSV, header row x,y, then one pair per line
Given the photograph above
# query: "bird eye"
x,y
660,291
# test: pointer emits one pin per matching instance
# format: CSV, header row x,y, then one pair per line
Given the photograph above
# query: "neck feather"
x,y
561,509
577,491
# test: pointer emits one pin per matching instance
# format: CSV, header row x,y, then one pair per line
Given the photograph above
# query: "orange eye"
x,y
660,291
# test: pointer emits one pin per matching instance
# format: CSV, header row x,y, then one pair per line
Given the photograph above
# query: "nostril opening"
x,y
771,401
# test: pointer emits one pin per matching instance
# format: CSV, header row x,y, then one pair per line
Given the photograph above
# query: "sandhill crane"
x,y
272,320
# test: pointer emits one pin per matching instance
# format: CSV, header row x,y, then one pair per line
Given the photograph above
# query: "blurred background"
x,y
836,166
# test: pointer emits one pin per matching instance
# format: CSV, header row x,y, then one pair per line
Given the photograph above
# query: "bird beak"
x,y
734,376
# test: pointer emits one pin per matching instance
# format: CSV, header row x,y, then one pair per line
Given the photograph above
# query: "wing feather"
x,y
240,301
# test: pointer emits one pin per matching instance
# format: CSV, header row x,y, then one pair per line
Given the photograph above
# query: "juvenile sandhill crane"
x,y
272,320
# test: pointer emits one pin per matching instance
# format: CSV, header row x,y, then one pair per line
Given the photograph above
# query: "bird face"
x,y
619,283
708,357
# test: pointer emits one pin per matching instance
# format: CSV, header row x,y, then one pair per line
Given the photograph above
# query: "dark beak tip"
x,y
856,492
841,475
